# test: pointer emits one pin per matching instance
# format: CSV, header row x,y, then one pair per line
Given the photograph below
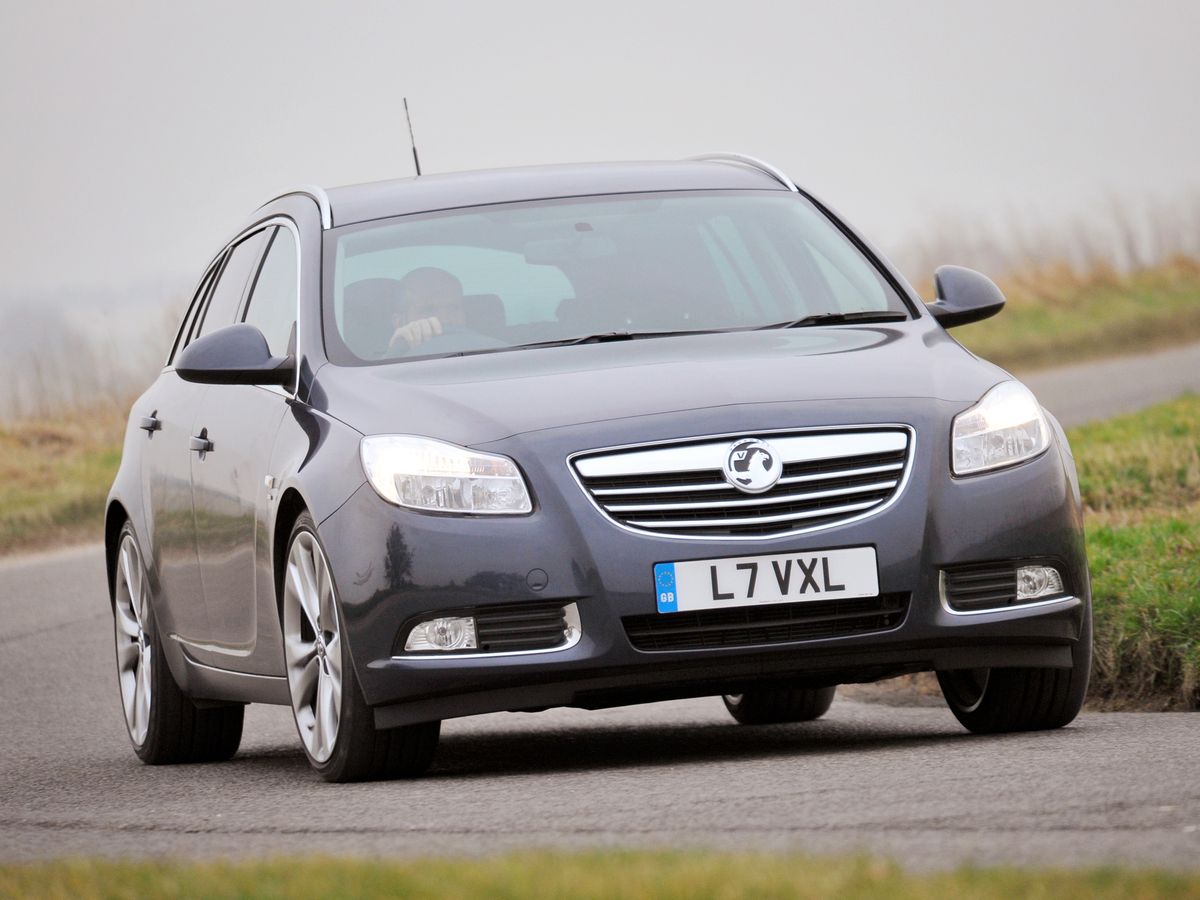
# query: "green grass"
x,y
1057,316
600,874
1140,479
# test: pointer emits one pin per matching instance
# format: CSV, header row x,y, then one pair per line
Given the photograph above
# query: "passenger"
x,y
431,302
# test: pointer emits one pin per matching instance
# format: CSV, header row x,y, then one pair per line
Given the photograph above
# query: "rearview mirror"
x,y
963,296
235,354
556,251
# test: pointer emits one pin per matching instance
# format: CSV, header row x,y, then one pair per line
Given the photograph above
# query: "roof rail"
x,y
317,195
750,162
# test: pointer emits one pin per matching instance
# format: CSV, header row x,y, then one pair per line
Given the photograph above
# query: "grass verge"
x,y
1140,479
603,874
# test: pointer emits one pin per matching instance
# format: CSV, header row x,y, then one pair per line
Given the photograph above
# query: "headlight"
x,y
1005,427
422,473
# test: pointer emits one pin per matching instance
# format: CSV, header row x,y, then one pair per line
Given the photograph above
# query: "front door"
x,y
229,495
229,488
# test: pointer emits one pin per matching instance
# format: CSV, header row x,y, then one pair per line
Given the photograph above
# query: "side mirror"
x,y
235,354
963,296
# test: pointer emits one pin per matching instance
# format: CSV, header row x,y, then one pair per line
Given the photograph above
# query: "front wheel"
x,y
164,725
336,727
992,701
774,706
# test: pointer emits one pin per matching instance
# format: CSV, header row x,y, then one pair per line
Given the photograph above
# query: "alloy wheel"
x,y
312,646
135,651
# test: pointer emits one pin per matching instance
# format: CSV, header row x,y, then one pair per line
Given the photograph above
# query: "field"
x,y
54,476
612,875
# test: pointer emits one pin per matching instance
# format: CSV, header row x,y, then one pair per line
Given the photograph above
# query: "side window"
x,y
272,304
231,284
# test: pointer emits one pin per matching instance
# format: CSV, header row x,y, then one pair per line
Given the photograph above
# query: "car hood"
x,y
486,397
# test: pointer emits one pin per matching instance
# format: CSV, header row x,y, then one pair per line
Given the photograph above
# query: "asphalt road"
x,y
903,782
1108,387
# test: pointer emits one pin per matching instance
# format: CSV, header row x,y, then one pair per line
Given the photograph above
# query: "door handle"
x,y
151,423
200,442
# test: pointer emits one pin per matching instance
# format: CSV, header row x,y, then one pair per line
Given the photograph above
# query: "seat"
x,y
368,309
485,313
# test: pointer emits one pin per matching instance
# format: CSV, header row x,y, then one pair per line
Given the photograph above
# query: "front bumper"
x,y
392,564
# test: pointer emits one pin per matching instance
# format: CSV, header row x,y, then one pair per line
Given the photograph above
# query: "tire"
x,y
335,724
994,701
775,706
163,724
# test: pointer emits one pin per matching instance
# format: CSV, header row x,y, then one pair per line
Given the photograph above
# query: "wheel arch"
x,y
291,505
115,517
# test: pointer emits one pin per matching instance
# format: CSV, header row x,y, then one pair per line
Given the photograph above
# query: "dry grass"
x,y
54,476
1058,315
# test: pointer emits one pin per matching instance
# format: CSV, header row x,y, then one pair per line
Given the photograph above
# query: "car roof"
x,y
428,193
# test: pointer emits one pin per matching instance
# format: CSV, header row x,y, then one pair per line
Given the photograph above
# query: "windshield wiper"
x,y
835,318
606,337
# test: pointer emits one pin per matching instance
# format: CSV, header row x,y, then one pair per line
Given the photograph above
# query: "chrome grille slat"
x,y
732,491
772,499
840,473
711,454
756,520
665,489
679,489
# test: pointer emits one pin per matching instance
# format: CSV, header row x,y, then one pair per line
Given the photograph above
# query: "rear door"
x,y
229,488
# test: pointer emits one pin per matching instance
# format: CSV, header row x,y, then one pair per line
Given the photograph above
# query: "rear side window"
x,y
272,304
226,298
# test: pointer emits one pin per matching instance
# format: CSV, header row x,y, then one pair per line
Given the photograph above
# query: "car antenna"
x,y
412,138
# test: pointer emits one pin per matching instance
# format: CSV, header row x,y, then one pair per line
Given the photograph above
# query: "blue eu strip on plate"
x,y
664,587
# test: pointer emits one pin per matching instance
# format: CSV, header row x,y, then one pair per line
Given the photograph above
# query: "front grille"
x,y
980,586
780,623
680,489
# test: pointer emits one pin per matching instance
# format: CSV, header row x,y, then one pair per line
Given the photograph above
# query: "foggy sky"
x,y
136,136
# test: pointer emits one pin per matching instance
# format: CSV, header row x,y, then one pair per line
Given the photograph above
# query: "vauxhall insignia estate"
x,y
580,436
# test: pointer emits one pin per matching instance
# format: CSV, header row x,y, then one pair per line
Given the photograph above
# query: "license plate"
x,y
779,578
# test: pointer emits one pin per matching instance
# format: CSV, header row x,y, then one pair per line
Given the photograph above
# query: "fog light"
x,y
451,633
1038,581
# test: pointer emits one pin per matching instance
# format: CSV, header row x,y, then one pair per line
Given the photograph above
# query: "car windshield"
x,y
549,272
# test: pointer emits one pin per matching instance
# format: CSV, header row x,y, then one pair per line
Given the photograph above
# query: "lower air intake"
x,y
772,624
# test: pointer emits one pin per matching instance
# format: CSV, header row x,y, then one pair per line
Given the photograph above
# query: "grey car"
x,y
582,436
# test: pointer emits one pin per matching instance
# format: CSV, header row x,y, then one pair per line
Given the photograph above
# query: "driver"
x,y
431,301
